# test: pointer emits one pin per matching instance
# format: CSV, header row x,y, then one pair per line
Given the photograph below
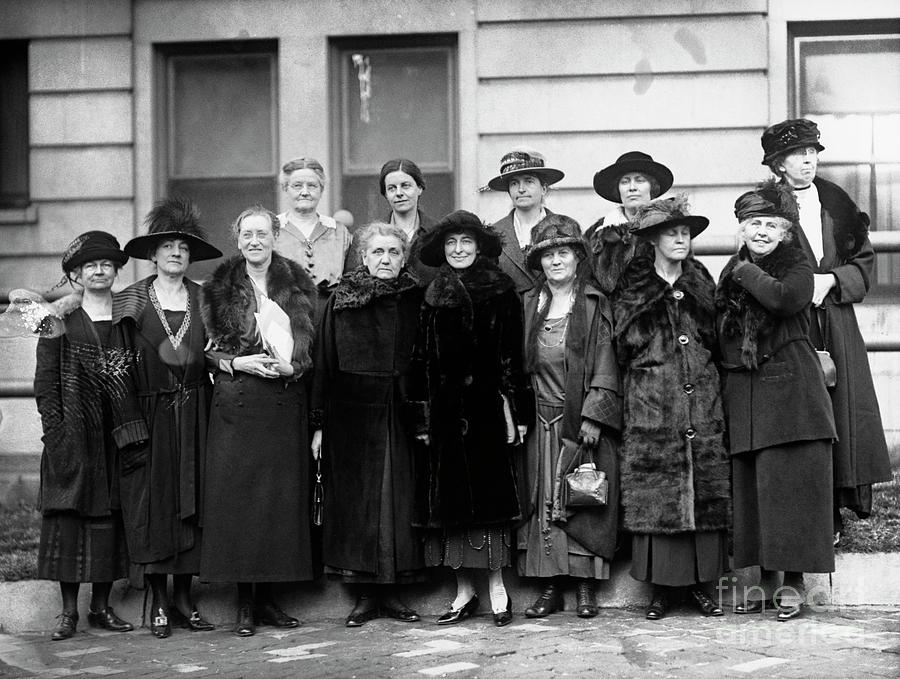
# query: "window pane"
x,y
221,115
846,138
887,188
13,123
887,138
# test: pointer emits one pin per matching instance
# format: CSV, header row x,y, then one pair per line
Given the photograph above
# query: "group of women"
x,y
450,379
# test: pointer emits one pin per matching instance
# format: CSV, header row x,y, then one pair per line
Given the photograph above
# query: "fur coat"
x,y
468,357
228,303
675,472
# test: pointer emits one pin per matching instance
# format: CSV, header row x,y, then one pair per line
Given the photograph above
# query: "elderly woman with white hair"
x,y
363,351
780,422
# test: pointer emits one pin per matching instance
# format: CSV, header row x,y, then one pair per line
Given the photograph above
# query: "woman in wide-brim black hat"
x,y
675,469
161,484
471,403
633,180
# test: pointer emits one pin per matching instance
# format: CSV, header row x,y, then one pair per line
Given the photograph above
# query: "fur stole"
x,y
227,304
851,226
452,289
742,315
642,294
358,288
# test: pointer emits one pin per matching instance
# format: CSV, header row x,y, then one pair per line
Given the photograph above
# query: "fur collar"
x,y
451,289
358,288
851,226
642,289
228,302
742,315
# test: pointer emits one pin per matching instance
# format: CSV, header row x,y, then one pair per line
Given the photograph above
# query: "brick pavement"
x,y
849,642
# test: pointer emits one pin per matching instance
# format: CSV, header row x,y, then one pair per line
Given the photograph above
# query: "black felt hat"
x,y
91,246
788,135
606,181
169,219
432,250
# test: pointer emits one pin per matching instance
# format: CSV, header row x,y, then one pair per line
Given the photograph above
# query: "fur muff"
x,y
741,313
851,226
227,304
675,472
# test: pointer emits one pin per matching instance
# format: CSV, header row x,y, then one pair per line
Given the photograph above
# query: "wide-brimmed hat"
x,y
659,214
523,161
788,135
169,219
770,199
91,246
432,251
553,231
606,181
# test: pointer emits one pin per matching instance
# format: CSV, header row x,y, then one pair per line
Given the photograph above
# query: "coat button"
x,y
690,433
688,388
683,339
678,294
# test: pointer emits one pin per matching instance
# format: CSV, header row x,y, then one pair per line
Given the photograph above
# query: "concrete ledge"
x,y
859,580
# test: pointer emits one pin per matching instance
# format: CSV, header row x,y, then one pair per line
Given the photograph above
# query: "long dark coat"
x,y
610,248
468,356
256,524
673,463
593,391
774,390
860,454
88,413
162,487
512,259
362,358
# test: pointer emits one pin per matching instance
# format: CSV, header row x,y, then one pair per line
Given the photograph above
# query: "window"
x,y
217,144
849,84
396,98
14,124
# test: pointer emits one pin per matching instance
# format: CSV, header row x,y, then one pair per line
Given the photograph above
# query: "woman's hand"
x,y
316,446
261,365
424,438
282,365
589,434
823,282
523,431
510,425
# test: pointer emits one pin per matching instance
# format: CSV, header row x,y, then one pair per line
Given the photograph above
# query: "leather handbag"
x,y
829,370
585,486
318,496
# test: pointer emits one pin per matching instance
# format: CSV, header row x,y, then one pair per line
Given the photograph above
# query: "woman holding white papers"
x,y
258,309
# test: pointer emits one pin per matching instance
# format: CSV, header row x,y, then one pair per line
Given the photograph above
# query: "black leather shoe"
x,y
195,622
65,629
752,607
705,604
160,626
244,626
396,609
270,614
587,603
452,617
366,609
107,619
789,613
548,602
659,604
503,618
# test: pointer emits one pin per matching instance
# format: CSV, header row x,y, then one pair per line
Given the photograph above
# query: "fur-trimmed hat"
x,y
523,161
432,250
606,181
788,135
769,199
659,214
91,246
554,231
172,218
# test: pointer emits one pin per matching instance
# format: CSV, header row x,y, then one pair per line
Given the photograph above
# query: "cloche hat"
x,y
91,246
553,231
606,181
658,214
173,218
523,161
787,135
432,250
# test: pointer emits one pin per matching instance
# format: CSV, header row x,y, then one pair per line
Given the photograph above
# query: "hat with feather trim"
x,y
769,199
169,219
667,212
432,251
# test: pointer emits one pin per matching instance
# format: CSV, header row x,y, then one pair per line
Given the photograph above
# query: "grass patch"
x,y
881,531
20,534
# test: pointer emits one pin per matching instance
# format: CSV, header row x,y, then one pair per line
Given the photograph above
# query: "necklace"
x,y
562,335
549,325
185,324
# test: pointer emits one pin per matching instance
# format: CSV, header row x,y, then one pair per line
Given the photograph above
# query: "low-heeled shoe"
x,y
659,604
755,606
705,603
107,619
452,617
548,602
398,611
503,618
195,622
244,626
270,614
789,613
366,609
160,627
65,629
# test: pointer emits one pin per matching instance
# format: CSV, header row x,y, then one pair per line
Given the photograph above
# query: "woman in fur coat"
x,y
779,415
674,467
256,514
834,234
472,404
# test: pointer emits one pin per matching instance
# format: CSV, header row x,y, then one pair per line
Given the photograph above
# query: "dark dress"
x,y
362,357
162,491
81,390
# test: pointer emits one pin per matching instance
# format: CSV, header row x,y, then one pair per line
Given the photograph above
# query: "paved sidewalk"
x,y
849,642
